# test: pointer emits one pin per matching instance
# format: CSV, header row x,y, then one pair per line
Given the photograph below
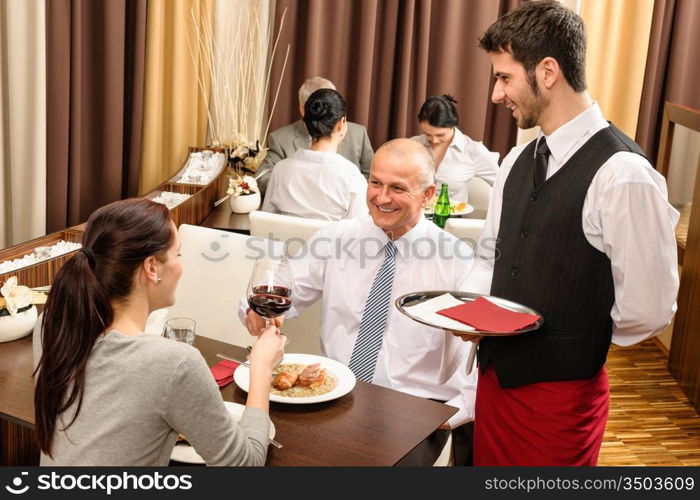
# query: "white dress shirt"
x,y
338,266
626,215
464,159
316,185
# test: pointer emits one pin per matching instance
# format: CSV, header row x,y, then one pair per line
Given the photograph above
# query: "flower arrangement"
x,y
238,186
17,298
247,158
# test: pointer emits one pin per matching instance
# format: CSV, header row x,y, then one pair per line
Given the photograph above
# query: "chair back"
x,y
216,269
291,230
468,230
479,193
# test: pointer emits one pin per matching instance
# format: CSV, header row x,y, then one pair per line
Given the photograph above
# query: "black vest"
x,y
544,261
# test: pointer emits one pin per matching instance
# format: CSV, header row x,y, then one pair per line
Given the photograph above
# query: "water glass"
x,y
180,330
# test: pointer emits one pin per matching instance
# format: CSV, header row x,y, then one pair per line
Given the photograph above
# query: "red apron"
x,y
545,423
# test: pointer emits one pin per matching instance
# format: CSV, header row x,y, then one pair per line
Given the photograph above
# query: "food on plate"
x,y
312,376
309,380
458,207
455,208
285,379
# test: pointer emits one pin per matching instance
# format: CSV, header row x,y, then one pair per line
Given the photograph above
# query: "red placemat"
x,y
486,316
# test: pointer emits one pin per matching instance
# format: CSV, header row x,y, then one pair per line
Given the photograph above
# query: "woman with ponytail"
x,y
106,393
318,183
457,157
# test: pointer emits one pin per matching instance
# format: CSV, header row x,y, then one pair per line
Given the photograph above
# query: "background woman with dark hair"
x,y
457,157
318,183
106,393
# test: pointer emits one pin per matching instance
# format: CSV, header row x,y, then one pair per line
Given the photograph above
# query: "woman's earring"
x,y
158,279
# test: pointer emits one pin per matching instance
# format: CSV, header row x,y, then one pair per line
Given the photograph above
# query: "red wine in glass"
x,y
270,288
270,301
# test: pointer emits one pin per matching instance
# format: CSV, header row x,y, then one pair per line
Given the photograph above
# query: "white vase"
x,y
245,203
17,326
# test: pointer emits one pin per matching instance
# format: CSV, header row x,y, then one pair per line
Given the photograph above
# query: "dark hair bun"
x,y
318,109
450,98
322,111
439,111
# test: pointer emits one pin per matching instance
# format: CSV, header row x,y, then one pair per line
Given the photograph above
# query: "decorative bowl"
x,y
244,203
17,326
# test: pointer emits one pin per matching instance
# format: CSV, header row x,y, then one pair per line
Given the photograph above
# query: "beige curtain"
x,y
240,57
618,39
175,111
22,120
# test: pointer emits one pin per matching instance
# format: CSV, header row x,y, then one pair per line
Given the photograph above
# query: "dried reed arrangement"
x,y
233,66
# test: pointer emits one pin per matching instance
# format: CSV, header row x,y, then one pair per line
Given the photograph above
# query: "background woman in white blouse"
x,y
318,183
457,157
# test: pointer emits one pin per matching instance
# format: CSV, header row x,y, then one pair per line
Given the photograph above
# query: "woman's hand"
x,y
268,350
256,323
266,354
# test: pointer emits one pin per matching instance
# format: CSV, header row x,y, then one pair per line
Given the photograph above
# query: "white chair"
x,y
304,331
468,230
216,268
479,193
296,230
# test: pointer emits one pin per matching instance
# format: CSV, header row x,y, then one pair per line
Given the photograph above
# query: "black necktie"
x,y
541,161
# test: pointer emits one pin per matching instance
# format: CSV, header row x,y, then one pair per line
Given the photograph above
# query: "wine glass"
x,y
270,289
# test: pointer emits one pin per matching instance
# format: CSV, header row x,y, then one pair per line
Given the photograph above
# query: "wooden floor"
x,y
651,421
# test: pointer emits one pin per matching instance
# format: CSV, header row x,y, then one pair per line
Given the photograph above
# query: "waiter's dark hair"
x,y
117,239
439,111
322,112
540,29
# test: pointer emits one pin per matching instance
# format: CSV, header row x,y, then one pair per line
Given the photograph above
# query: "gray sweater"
x,y
140,392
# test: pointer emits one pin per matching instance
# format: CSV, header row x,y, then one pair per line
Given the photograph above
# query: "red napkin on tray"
x,y
486,316
223,372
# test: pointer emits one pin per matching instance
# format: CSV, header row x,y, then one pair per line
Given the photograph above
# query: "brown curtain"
x,y
672,73
94,99
387,56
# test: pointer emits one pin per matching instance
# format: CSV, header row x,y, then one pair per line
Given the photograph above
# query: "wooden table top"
x,y
222,218
371,425
16,382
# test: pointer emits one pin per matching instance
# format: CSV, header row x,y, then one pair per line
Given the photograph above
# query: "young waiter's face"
x,y
517,89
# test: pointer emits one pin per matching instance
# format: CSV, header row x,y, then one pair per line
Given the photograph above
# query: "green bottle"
x,y
442,207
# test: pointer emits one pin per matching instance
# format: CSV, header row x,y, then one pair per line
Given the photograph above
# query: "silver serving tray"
x,y
414,298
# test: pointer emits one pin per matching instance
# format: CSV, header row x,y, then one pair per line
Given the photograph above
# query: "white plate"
x,y
344,377
468,210
185,453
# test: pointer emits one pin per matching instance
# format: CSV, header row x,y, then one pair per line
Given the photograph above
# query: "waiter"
x,y
585,237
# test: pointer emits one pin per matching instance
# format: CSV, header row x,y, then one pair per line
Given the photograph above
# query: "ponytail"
x,y
77,312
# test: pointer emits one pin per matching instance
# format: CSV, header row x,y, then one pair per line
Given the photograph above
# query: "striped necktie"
x,y
369,339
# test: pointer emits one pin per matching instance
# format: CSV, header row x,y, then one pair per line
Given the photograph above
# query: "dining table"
x,y
369,426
